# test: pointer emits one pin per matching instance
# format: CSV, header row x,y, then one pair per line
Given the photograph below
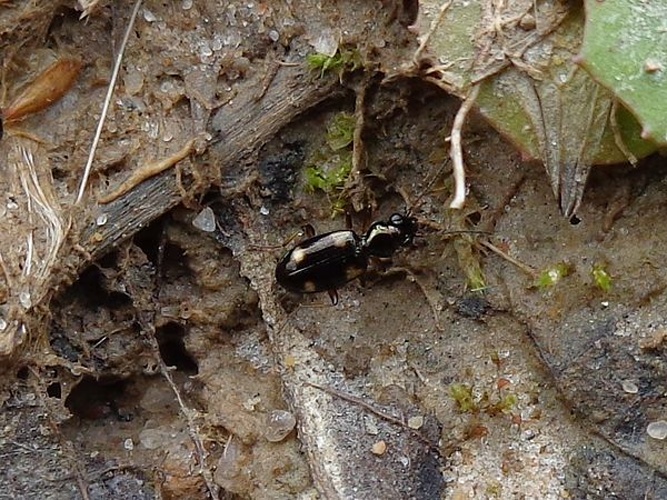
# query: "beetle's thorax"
x,y
383,239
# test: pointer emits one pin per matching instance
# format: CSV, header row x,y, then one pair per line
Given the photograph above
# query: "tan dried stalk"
x,y
35,221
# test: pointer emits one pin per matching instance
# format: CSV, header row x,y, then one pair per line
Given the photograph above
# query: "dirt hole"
x,y
172,348
94,399
54,390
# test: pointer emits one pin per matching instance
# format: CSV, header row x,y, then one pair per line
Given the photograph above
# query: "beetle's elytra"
x,y
327,261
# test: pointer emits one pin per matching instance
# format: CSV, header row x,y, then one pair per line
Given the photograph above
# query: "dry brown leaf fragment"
x,y
49,86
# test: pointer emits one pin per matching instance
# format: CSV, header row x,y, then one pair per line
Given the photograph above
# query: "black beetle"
x,y
327,261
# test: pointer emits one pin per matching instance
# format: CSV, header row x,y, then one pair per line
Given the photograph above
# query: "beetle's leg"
x,y
309,230
381,264
333,295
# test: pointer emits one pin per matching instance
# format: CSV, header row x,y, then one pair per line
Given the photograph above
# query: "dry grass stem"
x,y
37,225
435,24
107,103
524,267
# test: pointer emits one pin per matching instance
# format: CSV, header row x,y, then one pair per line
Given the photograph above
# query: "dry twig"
x,y
456,151
379,413
146,172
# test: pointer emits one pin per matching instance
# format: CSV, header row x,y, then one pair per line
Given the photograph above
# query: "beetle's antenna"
x,y
438,228
413,206
467,231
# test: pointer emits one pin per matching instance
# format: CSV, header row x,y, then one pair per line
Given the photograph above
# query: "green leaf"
x,y
625,49
602,278
463,396
340,131
316,179
329,176
323,63
552,275
521,54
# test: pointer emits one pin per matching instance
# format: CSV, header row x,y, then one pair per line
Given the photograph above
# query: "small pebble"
x,y
528,22
416,422
205,50
629,387
101,219
657,429
205,220
149,17
326,43
279,423
379,448
371,427
25,299
128,444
